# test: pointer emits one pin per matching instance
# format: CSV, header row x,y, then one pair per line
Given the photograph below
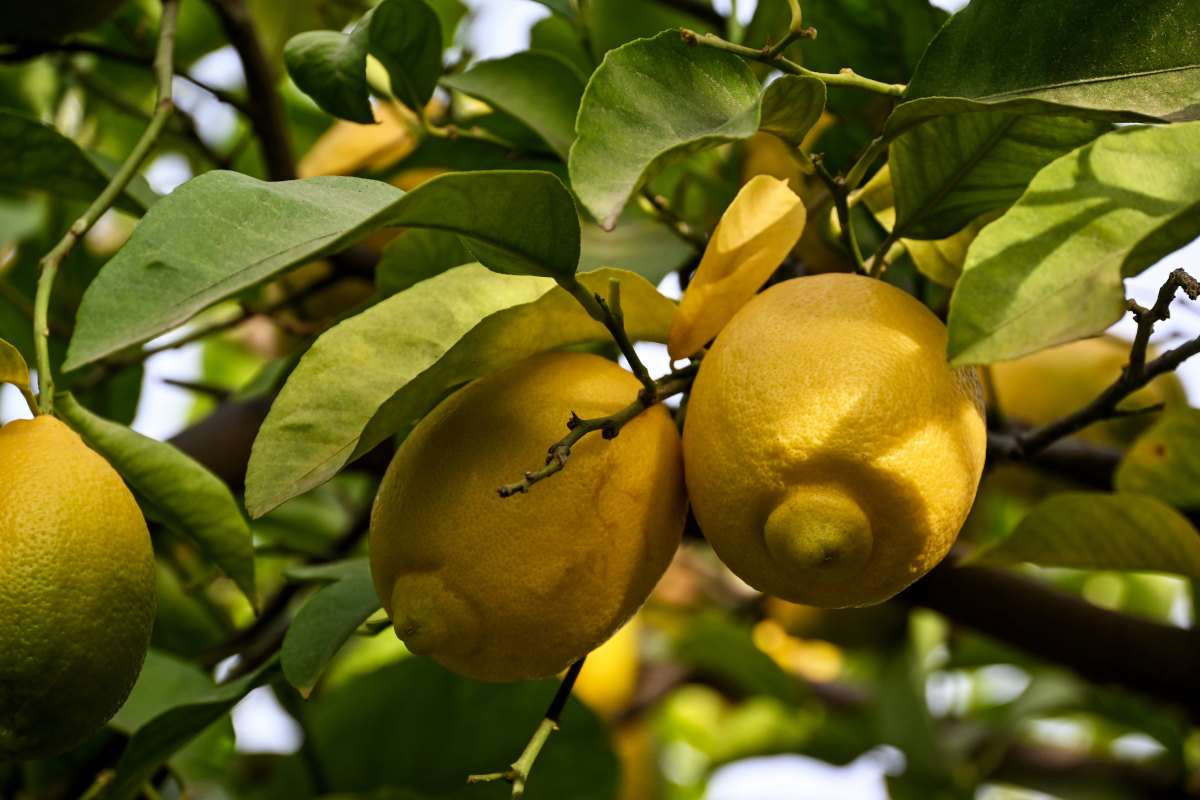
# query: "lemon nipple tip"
x,y
820,533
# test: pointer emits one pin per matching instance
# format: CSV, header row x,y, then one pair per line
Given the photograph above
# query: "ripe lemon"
x,y
1043,386
76,590
831,452
505,589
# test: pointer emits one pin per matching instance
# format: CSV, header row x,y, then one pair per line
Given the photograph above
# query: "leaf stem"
x,y
518,772
608,426
846,77
837,189
662,210
48,266
1137,373
601,310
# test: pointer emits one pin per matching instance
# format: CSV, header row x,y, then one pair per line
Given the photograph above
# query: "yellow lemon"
x,y
1041,387
831,453
76,590
506,589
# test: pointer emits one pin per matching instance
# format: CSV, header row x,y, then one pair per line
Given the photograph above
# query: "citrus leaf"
x,y
331,68
1050,270
223,232
791,105
941,259
1090,530
651,103
188,498
540,89
417,254
324,623
160,738
406,37
34,155
343,399
1131,61
953,169
1164,462
754,235
347,147
13,368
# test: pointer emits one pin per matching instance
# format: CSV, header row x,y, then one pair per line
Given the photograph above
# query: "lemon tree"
x,y
482,346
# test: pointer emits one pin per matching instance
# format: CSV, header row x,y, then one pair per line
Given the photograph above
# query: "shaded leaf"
x,y
639,244
184,495
324,623
791,105
755,234
953,169
163,736
1132,61
651,103
406,37
723,649
343,399
13,368
223,232
331,68
1090,530
1164,462
347,147
541,90
415,255
34,155
1050,270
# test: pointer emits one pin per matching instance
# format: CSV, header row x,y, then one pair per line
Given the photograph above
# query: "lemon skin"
x,y
831,453
77,594
505,589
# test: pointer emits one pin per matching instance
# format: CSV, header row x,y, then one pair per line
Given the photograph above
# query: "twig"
x,y
608,426
518,772
1135,375
846,77
48,266
837,189
661,209
608,313
265,107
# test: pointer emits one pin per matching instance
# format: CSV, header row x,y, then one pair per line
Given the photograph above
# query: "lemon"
x,y
1041,387
76,590
505,589
831,453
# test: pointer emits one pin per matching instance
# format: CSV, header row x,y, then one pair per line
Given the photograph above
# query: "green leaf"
x,y
717,646
1091,530
13,368
343,398
791,105
651,103
639,244
188,498
415,255
331,68
406,37
1050,270
324,623
541,90
164,735
223,232
564,8
1164,462
1128,60
33,155
953,169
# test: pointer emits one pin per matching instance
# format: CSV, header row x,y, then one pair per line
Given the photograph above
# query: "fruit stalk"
x,y
164,71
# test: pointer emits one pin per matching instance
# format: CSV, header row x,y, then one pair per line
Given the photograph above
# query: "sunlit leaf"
x,y
180,492
755,234
1091,530
343,398
348,147
654,102
1050,270
1164,462
13,368
223,232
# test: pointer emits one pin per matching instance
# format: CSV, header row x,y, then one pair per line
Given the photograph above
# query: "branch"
x,y
846,77
1101,645
518,773
838,190
609,427
265,107
48,266
1135,375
